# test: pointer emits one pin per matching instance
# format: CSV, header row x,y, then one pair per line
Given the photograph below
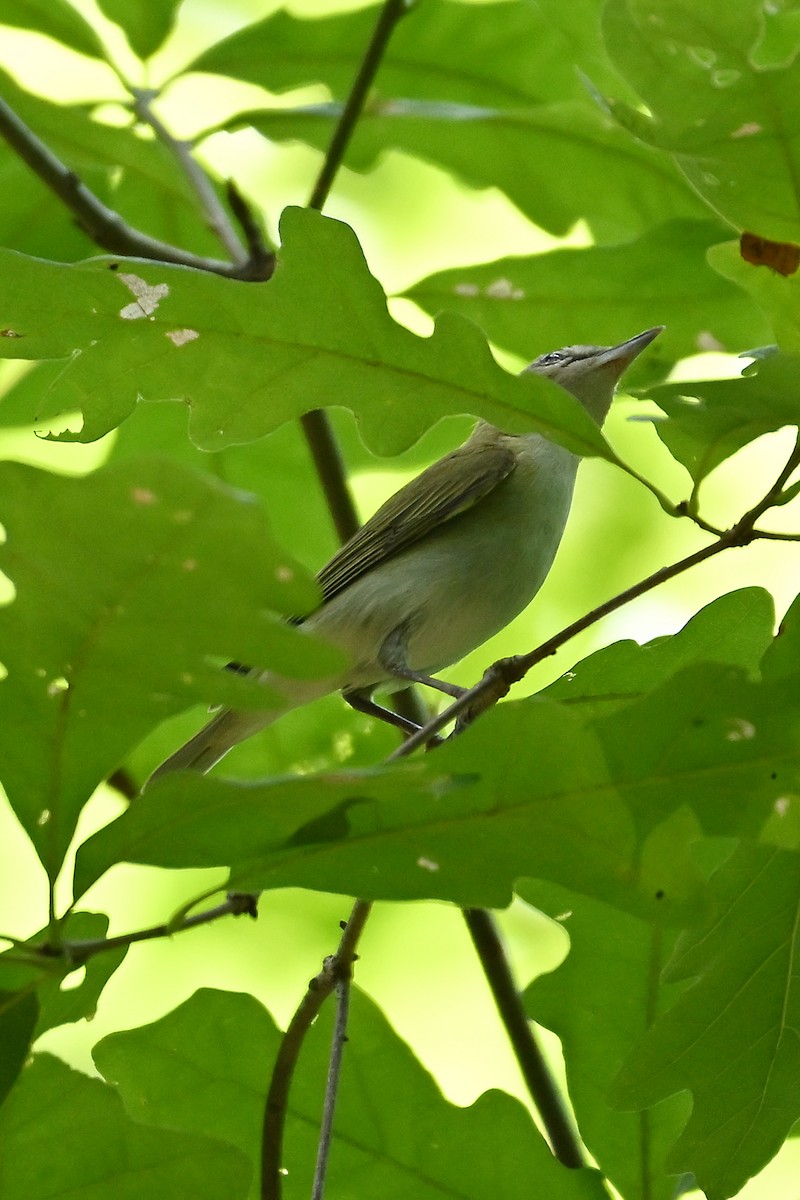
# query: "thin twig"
x,y
392,12
538,1079
257,249
216,217
330,470
320,987
79,952
499,677
100,223
316,424
332,1084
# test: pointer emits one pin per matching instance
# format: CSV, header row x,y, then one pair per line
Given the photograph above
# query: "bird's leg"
x,y
362,702
393,656
439,685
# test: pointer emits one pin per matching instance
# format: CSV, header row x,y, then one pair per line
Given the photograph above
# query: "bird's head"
x,y
592,372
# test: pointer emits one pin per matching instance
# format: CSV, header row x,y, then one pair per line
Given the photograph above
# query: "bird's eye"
x,y
555,356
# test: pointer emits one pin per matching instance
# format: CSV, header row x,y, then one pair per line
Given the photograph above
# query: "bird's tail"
x,y
215,739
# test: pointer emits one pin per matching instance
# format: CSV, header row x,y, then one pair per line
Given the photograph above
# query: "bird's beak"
x,y
617,358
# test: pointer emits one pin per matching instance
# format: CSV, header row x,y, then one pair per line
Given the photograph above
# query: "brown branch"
x,y
539,1081
391,13
332,1082
257,249
334,969
329,466
316,424
235,905
501,675
104,226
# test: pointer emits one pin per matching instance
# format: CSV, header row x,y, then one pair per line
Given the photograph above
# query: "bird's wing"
x,y
446,489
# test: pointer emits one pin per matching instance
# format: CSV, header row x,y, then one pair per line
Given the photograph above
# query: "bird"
x,y
444,564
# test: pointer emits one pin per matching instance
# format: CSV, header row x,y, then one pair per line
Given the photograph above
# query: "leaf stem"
x,y
539,1081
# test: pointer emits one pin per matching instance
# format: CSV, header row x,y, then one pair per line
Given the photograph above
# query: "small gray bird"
x,y
444,564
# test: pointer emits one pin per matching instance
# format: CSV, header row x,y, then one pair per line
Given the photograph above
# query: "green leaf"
x,y
146,24
731,1038
32,219
19,1011
63,1000
223,822
777,296
40,991
129,583
735,629
531,790
711,739
472,54
579,27
62,1133
561,144
709,420
782,657
56,18
729,122
466,86
248,357
661,277
600,1002
461,826
205,1068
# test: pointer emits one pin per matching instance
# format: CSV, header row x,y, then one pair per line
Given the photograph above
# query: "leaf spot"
x,y
56,686
179,337
427,864
503,289
284,574
748,129
143,496
725,77
189,564
740,730
43,817
148,297
10,333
